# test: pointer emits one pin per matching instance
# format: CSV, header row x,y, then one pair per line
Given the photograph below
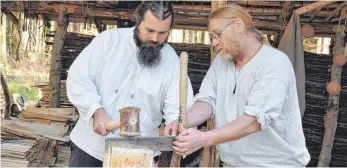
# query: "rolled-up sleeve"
x,y
80,84
266,100
208,89
171,100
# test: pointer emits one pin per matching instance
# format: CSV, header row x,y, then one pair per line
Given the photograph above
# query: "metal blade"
x,y
161,143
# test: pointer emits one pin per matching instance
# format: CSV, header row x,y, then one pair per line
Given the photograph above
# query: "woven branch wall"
x,y
317,77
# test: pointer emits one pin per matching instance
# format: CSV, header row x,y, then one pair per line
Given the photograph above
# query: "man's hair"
x,y
160,9
232,11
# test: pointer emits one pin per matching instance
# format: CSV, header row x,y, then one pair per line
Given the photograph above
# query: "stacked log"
x,y
63,155
39,137
27,153
64,101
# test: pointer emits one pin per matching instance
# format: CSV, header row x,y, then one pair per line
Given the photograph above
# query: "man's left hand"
x,y
189,141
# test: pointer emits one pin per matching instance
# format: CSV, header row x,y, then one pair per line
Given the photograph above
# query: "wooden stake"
x,y
182,119
55,71
330,119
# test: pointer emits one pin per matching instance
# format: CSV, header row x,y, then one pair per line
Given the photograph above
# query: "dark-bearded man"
x,y
124,67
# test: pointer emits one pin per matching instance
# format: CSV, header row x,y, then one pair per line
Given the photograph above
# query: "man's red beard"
x,y
231,48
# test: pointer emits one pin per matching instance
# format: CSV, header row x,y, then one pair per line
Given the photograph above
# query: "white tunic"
x,y
107,74
266,89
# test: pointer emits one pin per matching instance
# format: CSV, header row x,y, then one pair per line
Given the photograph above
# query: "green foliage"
x,y
29,94
310,44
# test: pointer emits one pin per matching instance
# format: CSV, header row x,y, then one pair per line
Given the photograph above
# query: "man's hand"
x,y
100,119
189,141
171,129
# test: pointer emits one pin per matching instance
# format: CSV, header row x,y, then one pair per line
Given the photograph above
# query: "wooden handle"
x,y
182,120
112,125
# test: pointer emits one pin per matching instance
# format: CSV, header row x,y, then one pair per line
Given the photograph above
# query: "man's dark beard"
x,y
147,56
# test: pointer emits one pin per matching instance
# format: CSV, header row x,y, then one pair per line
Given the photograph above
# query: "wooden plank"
x,y
33,120
312,6
59,111
48,116
19,130
42,129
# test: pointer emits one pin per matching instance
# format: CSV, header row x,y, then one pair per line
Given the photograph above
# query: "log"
x,y
312,6
330,120
7,95
55,71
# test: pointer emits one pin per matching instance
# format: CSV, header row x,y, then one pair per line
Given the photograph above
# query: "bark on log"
x,y
55,71
7,96
330,120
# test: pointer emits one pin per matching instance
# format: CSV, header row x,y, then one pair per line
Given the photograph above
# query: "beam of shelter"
x,y
205,10
342,17
274,3
312,6
315,14
72,9
335,11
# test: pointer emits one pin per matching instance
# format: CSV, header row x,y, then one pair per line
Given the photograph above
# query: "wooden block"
x,y
125,157
34,120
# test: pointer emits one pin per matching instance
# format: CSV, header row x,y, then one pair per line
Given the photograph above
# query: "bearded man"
x,y
124,67
251,90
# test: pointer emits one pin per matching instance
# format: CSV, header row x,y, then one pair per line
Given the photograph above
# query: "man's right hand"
x,y
171,129
100,119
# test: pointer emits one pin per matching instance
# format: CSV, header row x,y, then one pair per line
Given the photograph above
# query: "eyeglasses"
x,y
217,35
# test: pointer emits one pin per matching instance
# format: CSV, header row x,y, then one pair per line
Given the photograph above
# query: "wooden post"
x,y
330,119
7,97
286,12
210,156
99,26
55,70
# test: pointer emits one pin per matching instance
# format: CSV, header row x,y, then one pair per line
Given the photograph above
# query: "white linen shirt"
x,y
266,89
107,74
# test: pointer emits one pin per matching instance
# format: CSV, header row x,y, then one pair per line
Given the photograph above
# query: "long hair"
x,y
232,11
